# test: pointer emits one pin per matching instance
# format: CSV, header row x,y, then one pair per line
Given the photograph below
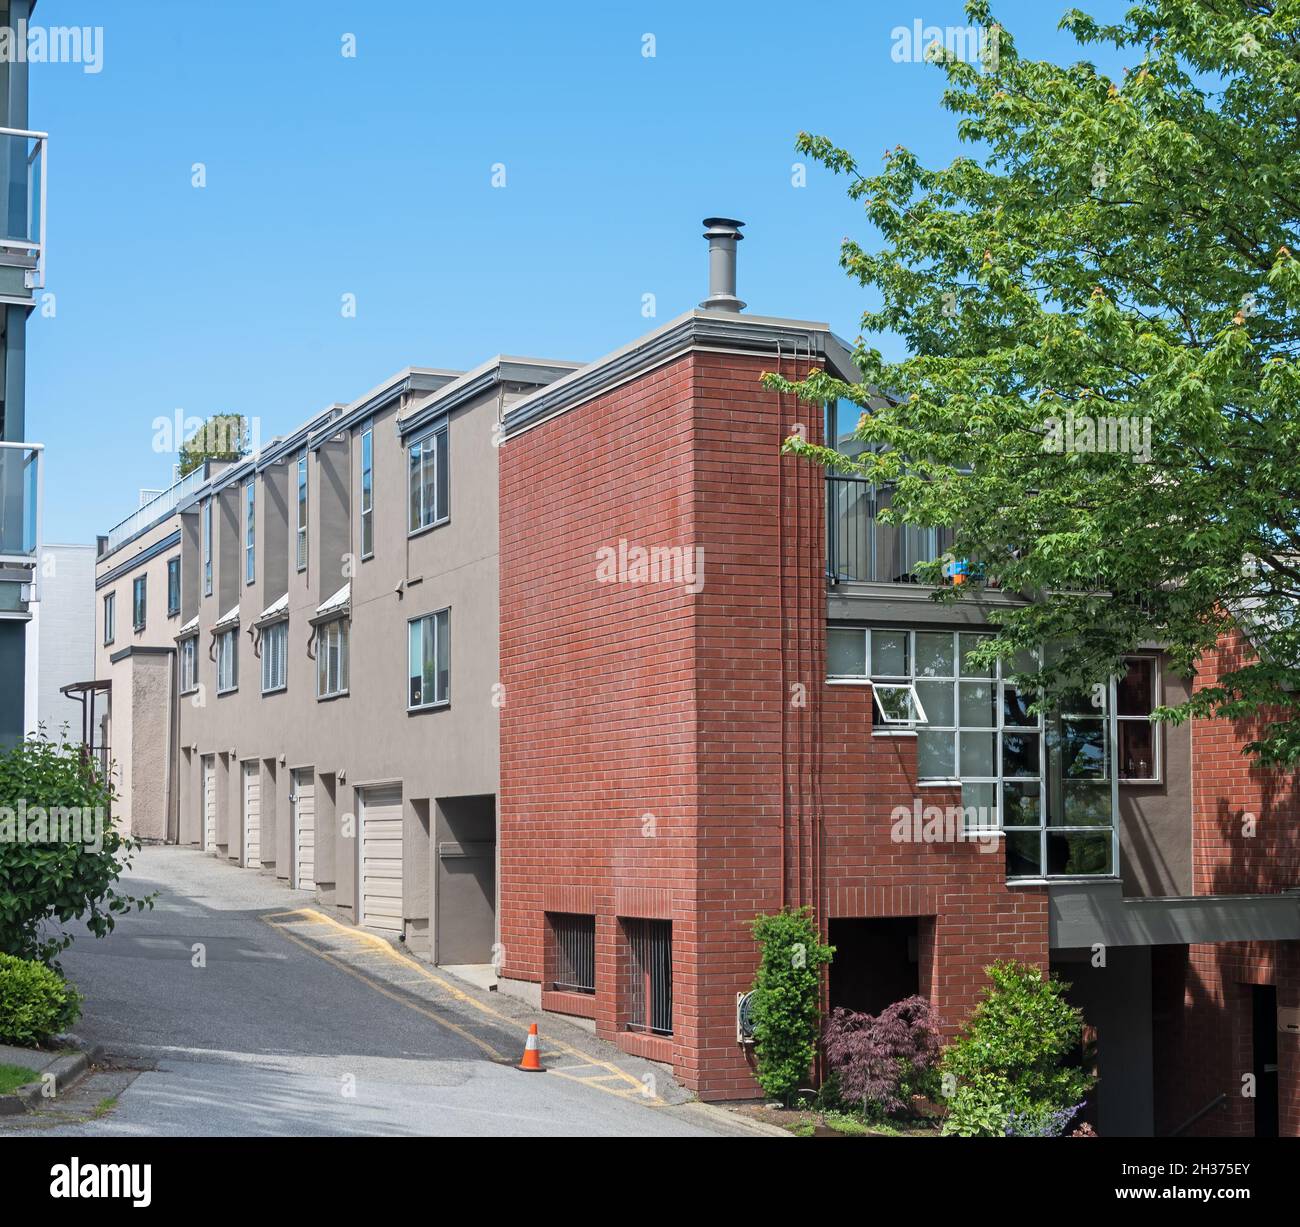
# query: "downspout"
x,y
173,835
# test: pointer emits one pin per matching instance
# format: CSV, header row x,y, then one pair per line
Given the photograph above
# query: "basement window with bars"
x,y
575,953
650,990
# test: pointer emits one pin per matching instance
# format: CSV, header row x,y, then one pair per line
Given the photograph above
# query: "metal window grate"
x,y
575,953
650,996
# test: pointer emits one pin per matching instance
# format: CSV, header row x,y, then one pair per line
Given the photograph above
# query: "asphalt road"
x,y
236,1008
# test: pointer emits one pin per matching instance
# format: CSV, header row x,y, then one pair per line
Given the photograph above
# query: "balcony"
x,y
156,508
862,549
21,499
22,212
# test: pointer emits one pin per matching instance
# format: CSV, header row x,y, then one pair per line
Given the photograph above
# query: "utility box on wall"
x,y
1288,1019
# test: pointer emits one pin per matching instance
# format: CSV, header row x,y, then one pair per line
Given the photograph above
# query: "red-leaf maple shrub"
x,y
874,1057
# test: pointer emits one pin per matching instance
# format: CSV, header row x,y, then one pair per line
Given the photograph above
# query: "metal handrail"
x,y
1221,1097
155,508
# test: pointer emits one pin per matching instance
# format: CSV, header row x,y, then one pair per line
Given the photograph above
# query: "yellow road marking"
x,y
376,943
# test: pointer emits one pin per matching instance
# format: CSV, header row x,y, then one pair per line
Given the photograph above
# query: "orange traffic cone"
x,y
532,1062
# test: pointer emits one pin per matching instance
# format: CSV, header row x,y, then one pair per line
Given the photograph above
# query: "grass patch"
x,y
14,1076
104,1107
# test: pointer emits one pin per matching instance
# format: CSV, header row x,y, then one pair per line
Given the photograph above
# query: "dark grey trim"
x,y
1082,915
125,568
390,394
279,449
696,330
473,385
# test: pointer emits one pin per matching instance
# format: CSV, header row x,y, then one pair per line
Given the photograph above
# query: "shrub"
x,y
44,876
878,1061
1011,1062
35,1002
785,1005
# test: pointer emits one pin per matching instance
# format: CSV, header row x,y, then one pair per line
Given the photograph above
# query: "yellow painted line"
x,y
379,988
380,946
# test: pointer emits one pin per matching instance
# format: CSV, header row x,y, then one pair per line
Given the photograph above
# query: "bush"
x,y
46,872
879,1061
35,1002
786,1001
1009,1070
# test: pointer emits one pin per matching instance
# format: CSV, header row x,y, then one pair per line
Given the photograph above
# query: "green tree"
x,y
1112,260
224,436
785,1006
61,855
1013,1055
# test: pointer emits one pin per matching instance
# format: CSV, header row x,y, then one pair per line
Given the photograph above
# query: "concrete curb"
x,y
65,1071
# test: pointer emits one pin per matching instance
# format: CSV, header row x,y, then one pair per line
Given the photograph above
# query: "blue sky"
x,y
372,176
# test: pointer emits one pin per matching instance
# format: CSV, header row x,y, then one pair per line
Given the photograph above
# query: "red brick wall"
x,y
1211,1047
706,712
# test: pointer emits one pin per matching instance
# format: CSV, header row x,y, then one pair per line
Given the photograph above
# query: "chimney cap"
x,y
722,228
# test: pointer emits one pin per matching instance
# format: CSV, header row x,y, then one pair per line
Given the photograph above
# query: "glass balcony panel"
x,y
19,487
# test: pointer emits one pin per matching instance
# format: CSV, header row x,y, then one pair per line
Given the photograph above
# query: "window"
x,y
1046,783
110,617
650,992
332,659
228,660
367,493
430,661
302,512
207,548
1136,697
575,953
139,588
427,459
173,586
189,650
250,532
275,642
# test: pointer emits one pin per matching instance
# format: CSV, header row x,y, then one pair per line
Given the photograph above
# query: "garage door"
x,y
381,858
252,817
304,830
209,804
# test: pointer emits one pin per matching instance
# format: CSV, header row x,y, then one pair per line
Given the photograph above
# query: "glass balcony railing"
x,y
20,502
157,507
862,549
22,208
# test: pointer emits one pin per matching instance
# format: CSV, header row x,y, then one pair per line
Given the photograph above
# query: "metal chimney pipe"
x,y
723,234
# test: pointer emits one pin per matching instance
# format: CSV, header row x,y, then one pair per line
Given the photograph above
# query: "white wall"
x,y
61,637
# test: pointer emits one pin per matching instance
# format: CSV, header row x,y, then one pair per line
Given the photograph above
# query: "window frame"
x,y
300,532
173,586
188,651
110,617
1000,685
1157,775
416,451
411,624
339,629
366,501
275,639
228,644
205,517
250,532
139,602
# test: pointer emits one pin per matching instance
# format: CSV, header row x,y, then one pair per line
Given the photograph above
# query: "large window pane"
x,y
1135,691
1022,804
1079,854
968,667
934,755
1137,750
889,655
936,698
1084,804
977,756
1082,748
1024,854
934,654
980,801
846,653
1015,707
414,485
1021,754
977,705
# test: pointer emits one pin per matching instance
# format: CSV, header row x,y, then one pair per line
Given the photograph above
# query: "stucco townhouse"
x,y
567,667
